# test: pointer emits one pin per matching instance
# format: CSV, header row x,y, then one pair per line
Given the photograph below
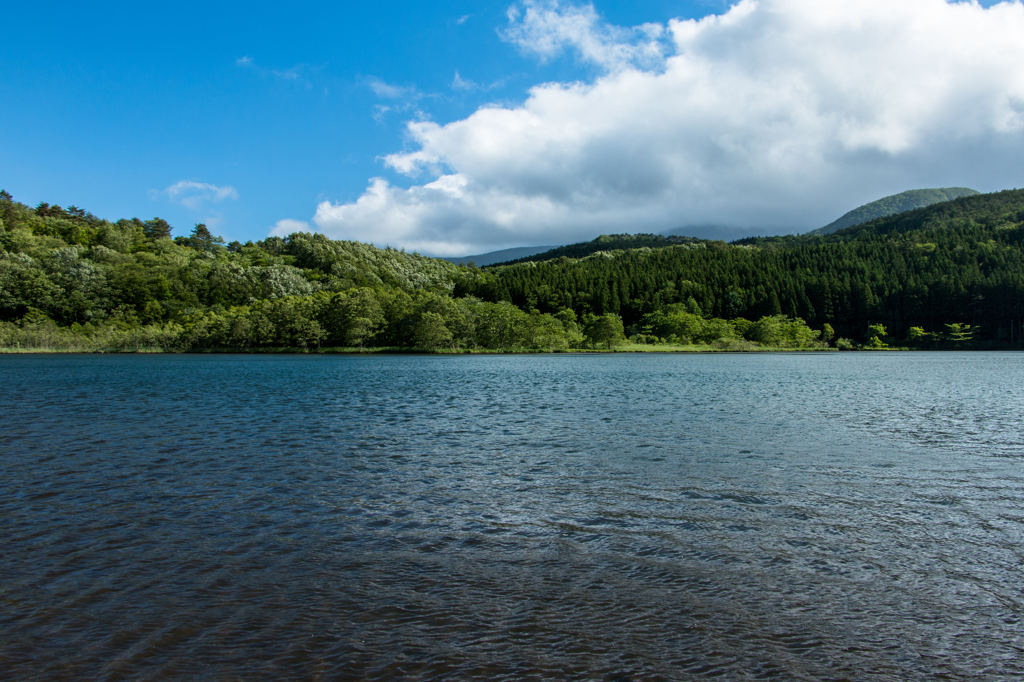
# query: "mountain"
x,y
955,262
502,256
606,242
897,203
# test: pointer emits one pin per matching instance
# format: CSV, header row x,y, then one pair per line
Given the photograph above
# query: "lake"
x,y
621,517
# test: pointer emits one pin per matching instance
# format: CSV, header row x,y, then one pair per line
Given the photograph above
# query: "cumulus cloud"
x,y
778,115
195,195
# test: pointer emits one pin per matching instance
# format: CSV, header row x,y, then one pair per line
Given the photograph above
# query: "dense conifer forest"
x,y
950,275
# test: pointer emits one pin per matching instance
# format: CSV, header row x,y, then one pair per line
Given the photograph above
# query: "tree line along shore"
x,y
948,276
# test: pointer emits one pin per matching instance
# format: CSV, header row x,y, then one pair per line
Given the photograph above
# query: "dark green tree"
x,y
603,330
430,332
202,239
158,228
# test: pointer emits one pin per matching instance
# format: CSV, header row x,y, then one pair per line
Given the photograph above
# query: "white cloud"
x,y
388,91
293,74
286,226
463,19
403,98
548,27
460,83
778,114
195,195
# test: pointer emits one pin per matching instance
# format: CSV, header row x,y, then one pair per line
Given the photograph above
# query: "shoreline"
x,y
678,350
408,351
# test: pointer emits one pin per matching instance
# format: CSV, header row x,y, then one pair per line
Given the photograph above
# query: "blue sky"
x,y
246,114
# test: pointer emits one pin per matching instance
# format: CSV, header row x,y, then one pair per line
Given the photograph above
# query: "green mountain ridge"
x,y
605,242
891,205
956,262
896,203
70,280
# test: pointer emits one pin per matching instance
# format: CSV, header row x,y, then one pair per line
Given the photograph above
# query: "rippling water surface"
x,y
835,516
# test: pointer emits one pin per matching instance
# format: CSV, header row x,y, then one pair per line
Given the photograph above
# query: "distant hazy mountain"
x,y
500,256
897,203
606,242
724,232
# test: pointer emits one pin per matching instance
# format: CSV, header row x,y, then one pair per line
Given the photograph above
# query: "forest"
x,y
950,275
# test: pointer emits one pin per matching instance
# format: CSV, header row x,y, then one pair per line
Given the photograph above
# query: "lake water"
x,y
621,517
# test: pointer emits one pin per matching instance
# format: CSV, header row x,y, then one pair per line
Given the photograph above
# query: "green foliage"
x,y
916,335
603,330
498,324
202,239
430,331
876,336
684,322
827,333
959,333
780,331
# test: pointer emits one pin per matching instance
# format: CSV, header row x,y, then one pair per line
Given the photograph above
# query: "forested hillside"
x,y
606,242
71,280
959,262
897,203
950,275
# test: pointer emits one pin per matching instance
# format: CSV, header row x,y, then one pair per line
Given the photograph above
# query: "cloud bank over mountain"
x,y
778,115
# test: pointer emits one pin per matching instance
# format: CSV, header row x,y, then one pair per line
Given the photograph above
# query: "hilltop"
x,y
896,203
606,242
891,205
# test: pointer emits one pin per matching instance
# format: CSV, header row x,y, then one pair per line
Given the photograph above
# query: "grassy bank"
x,y
169,338
399,350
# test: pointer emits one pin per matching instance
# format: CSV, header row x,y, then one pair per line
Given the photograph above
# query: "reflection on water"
x,y
854,516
